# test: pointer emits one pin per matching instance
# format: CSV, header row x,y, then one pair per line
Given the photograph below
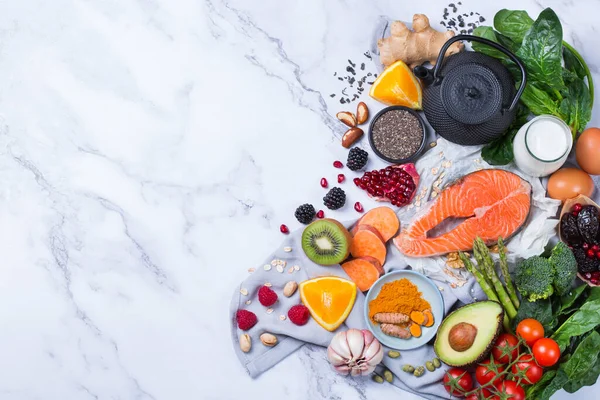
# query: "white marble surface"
x,y
149,150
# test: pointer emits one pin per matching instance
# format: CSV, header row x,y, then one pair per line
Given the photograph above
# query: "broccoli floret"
x,y
565,268
534,278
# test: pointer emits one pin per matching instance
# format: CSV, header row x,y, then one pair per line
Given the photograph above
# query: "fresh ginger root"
x,y
415,47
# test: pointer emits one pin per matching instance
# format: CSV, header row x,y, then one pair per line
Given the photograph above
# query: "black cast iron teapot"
x,y
470,98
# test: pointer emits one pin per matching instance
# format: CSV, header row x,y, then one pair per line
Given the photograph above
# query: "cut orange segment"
x,y
329,300
397,86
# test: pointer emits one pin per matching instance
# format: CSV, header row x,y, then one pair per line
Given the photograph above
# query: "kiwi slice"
x,y
326,242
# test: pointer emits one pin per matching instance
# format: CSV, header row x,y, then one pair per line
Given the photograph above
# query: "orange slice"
x,y
329,300
397,86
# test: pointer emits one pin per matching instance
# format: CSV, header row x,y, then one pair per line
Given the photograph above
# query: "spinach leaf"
x,y
583,358
582,321
589,379
594,294
487,32
513,23
500,151
541,50
570,298
559,381
540,310
539,101
572,63
577,106
532,392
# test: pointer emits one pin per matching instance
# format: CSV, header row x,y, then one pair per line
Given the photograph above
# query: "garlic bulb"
x,y
354,352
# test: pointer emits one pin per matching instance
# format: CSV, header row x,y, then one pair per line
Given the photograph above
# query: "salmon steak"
x,y
492,203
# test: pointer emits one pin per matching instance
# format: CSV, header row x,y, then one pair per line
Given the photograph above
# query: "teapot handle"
x,y
496,46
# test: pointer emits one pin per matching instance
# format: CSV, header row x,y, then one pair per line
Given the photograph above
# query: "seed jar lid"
x,y
471,93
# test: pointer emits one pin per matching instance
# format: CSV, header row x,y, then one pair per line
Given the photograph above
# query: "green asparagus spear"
x,y
482,255
507,279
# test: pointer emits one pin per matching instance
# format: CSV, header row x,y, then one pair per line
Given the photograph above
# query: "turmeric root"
x,y
415,47
396,331
428,318
418,317
415,330
391,318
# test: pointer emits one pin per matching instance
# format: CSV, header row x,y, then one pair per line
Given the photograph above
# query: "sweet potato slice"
x,y
428,318
363,271
368,243
383,219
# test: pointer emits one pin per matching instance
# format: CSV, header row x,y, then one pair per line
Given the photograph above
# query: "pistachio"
x,y
387,374
362,113
351,136
245,343
377,378
290,288
436,362
347,118
429,366
408,368
419,371
393,354
268,339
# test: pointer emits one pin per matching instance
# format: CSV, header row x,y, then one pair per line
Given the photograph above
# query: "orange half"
x,y
329,300
398,86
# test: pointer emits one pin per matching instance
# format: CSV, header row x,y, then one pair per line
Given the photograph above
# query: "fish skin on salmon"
x,y
495,203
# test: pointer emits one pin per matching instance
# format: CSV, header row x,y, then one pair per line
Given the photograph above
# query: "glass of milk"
x,y
542,145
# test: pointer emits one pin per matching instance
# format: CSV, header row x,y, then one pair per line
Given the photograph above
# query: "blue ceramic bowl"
x,y
430,293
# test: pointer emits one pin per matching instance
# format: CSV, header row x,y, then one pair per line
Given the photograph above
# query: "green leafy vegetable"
x,y
576,107
590,378
539,101
513,24
585,319
541,50
533,391
540,310
569,299
500,151
572,63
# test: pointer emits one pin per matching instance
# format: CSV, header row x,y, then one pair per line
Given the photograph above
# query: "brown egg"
x,y
587,151
569,182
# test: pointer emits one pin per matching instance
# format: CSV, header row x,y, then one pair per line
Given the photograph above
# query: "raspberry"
x,y
245,319
267,296
299,314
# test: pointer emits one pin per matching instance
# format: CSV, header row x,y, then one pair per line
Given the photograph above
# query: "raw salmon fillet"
x,y
493,202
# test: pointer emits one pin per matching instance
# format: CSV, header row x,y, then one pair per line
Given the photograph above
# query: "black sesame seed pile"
x,y
355,78
463,23
397,134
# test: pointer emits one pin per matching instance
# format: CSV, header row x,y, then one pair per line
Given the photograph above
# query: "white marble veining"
x,y
149,150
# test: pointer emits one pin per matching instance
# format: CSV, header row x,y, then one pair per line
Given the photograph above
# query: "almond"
x,y
362,113
347,118
351,136
290,288
268,340
245,343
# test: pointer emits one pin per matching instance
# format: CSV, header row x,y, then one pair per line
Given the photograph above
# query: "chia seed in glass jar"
x,y
397,134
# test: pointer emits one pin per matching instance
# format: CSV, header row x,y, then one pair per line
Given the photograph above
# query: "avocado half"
x,y
484,322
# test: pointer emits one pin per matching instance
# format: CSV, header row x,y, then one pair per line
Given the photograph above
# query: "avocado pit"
x,y
462,336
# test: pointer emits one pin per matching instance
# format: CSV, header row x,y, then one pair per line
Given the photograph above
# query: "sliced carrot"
x,y
429,317
368,243
415,330
383,219
363,271
417,317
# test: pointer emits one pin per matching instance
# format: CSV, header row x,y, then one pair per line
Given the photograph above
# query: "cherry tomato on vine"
x,y
532,371
487,372
482,394
463,382
515,391
546,352
530,330
506,348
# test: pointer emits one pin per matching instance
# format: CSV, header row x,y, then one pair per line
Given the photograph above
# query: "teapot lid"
x,y
471,93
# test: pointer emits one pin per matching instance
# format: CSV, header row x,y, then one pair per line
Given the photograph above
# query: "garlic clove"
x,y
368,370
355,371
374,353
368,335
356,342
343,369
340,345
334,358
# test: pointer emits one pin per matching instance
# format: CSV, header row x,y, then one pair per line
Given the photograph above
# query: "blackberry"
x,y
305,213
585,264
335,198
357,159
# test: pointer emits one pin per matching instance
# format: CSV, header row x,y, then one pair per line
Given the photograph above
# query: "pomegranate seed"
x,y
591,253
588,275
324,182
596,275
338,164
598,255
341,178
595,247
320,214
392,184
284,229
356,181
585,246
594,281
575,213
577,207
358,207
